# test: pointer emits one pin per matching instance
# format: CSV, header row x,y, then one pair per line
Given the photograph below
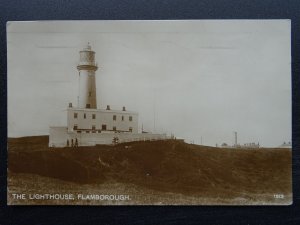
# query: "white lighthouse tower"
x,y
87,80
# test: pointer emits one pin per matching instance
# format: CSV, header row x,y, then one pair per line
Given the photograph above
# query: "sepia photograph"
x,y
141,112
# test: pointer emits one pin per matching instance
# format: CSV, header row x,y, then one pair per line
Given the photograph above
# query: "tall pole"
x,y
235,138
78,90
154,113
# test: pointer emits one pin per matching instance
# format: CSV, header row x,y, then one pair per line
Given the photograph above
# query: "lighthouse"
x,y
87,67
88,125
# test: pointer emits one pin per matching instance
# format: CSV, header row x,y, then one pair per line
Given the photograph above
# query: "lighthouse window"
x,y
75,115
94,116
114,117
103,127
130,118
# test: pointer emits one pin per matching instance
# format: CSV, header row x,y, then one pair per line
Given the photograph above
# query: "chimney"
x,y
107,107
124,109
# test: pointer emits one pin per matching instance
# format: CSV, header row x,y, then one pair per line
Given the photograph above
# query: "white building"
x,y
285,145
88,125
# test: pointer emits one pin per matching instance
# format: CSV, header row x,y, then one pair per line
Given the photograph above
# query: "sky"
x,y
200,80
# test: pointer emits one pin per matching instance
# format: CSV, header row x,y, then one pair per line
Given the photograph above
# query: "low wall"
x,y
59,135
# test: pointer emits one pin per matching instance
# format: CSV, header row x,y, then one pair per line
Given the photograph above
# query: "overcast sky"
x,y
197,79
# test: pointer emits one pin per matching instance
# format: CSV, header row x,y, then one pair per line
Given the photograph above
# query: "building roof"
x,y
102,110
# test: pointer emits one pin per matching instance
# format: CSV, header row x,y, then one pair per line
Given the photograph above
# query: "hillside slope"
x,y
168,166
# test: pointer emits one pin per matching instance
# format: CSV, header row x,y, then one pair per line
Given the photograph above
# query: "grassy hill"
x,y
165,166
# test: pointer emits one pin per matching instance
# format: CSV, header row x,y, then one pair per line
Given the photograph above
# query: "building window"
x,y
114,128
90,94
114,117
79,131
130,118
94,116
103,126
122,118
93,128
130,129
84,116
87,131
75,127
88,106
75,115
